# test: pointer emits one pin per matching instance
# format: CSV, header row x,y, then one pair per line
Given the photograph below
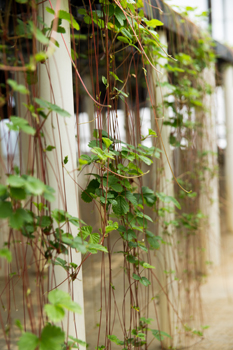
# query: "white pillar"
x,y
56,86
228,87
26,141
209,201
4,224
168,297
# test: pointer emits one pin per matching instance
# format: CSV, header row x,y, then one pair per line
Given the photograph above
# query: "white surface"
x,y
228,89
55,78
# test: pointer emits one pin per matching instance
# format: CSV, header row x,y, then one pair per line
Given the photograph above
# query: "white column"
x,y
168,297
26,142
4,224
56,86
228,87
209,201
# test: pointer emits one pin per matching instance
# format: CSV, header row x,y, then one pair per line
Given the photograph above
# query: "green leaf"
x,y
80,342
115,77
153,23
66,160
26,215
141,335
62,299
5,253
52,338
131,259
69,18
107,142
96,247
50,148
59,215
129,235
63,31
95,143
5,209
159,334
167,199
91,188
49,10
48,193
16,220
38,33
148,196
147,266
111,226
146,160
52,107
44,221
114,339
72,306
19,124
18,87
124,39
154,241
121,92
105,82
146,320
119,14
19,324
3,190
94,238
113,183
22,1
28,341
152,133
144,281
122,206
40,56
18,193
131,198
34,186
136,277
54,313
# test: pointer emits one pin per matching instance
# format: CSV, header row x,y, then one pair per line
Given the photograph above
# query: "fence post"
x,y
168,296
209,201
56,86
228,92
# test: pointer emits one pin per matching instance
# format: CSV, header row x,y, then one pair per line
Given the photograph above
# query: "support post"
x,y
209,201
228,92
56,86
4,226
168,297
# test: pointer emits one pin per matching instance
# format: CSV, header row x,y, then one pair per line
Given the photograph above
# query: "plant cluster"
x,y
115,183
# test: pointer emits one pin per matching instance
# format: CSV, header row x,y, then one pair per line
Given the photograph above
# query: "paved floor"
x,y
217,296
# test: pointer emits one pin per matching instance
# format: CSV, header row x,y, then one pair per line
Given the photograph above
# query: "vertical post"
x,y
228,91
209,201
26,150
56,86
168,297
4,226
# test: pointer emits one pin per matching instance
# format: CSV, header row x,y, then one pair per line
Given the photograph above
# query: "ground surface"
x,y
217,296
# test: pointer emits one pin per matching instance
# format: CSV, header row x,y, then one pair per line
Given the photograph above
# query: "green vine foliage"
x,y
114,186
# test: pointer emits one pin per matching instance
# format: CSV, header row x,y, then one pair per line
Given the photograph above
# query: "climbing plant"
x,y
121,45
